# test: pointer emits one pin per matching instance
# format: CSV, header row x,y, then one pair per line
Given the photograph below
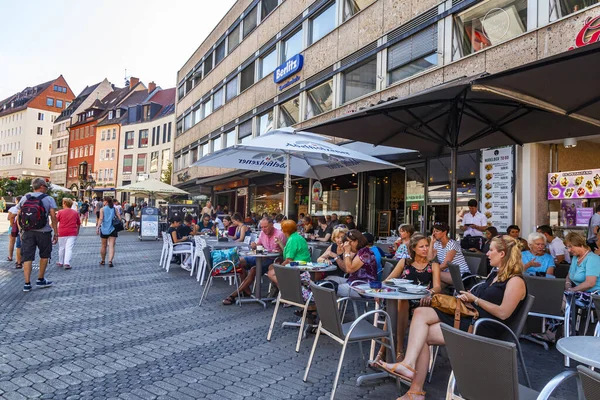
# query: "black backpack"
x,y
84,208
33,213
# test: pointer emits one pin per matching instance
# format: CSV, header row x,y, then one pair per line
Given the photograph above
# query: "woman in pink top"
x,y
68,229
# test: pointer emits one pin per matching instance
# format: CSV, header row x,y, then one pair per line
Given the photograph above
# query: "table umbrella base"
x,y
253,299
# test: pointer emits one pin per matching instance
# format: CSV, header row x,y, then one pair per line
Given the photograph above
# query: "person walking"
x,y
14,237
97,207
84,212
2,205
107,231
68,229
34,209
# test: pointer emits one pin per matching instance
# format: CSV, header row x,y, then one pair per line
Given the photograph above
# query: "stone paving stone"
x,y
13,396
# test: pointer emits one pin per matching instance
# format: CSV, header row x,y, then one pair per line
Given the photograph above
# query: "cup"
x,y
260,249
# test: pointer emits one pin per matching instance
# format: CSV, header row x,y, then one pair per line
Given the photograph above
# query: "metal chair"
x,y
477,263
233,274
357,331
315,254
177,248
486,369
165,249
590,382
596,300
199,254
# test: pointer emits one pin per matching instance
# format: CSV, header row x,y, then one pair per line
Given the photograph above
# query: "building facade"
x,y
60,132
272,63
26,128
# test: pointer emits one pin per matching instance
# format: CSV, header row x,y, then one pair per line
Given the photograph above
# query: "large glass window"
x,y
267,7
413,55
218,98
289,112
268,63
129,138
141,163
154,161
229,138
207,107
352,7
231,89
320,99
208,64
265,122
233,39
322,24
127,163
489,23
245,132
250,21
143,142
561,8
361,80
220,52
247,77
291,46
217,144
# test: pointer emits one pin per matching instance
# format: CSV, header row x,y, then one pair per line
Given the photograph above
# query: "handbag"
x,y
454,306
117,224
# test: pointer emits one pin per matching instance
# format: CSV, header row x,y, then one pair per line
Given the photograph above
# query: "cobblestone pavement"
x,y
137,332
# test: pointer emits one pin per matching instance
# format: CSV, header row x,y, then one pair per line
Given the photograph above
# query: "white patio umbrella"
x,y
296,153
152,188
58,188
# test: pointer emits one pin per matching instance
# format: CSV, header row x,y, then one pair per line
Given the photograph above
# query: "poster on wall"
x,y
317,191
497,186
574,185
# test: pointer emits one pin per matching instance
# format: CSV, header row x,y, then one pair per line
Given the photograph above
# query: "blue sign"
x,y
288,68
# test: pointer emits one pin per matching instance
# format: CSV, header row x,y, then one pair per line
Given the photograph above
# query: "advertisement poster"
x,y
574,185
317,191
149,223
583,216
497,186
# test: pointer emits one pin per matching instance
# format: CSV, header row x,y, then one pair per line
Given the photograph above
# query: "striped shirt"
x,y
458,259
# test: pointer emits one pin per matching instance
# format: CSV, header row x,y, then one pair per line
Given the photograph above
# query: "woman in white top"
x,y
447,251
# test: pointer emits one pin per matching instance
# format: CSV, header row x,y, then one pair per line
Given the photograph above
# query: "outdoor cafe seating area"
x,y
482,368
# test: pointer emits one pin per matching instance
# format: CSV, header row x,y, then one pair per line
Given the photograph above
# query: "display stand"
x,y
149,223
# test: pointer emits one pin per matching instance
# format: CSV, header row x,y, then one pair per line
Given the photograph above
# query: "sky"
x,y
88,41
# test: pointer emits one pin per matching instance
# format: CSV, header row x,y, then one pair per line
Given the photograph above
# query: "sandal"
x,y
410,393
18,265
110,264
547,336
392,371
102,263
9,259
378,358
229,301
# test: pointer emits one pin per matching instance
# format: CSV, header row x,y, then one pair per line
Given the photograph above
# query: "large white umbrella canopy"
x,y
152,188
58,188
294,153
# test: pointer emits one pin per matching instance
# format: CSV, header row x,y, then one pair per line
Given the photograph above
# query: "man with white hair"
x,y
33,211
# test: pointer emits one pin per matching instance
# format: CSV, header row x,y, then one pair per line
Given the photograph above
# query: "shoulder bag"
x,y
454,306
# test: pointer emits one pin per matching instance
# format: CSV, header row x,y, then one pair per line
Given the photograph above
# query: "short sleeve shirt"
x,y
478,219
323,232
401,252
68,222
268,242
557,248
48,202
458,259
590,266
368,272
296,248
594,221
546,261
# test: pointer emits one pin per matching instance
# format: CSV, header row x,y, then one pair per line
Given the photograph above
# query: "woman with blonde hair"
x,y
500,297
336,249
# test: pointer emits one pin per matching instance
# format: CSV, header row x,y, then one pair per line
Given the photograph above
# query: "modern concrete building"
x,y
60,132
271,63
26,124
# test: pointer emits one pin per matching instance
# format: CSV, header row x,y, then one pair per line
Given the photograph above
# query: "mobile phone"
x,y
468,224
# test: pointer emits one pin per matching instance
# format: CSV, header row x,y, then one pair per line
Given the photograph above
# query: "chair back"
x,y
484,369
327,308
517,323
199,242
165,237
290,286
316,253
561,270
476,262
169,239
388,267
548,294
590,382
457,282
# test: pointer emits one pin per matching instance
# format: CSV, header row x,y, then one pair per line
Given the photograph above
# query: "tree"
x,y
165,176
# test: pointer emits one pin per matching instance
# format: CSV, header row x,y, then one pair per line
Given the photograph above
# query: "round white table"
x,y
585,349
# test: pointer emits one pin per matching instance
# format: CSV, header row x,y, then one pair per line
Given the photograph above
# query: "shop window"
x,y
245,132
265,122
220,52
291,46
352,7
322,24
440,174
268,63
233,39
129,138
561,8
154,161
208,64
250,21
339,195
361,80
229,138
247,77
488,24
413,55
218,99
217,144
232,89
266,7
207,107
289,112
320,99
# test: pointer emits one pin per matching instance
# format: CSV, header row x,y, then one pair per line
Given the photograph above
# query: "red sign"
x,y
590,33
414,206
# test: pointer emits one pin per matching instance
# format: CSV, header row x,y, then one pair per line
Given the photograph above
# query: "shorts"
x,y
127,217
97,214
18,242
114,234
32,240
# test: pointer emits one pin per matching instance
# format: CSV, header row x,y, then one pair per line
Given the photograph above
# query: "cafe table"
x,y
257,296
318,244
392,297
584,349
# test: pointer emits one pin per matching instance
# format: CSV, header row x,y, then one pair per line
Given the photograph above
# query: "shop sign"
x,y
583,215
317,191
109,193
415,206
497,186
590,33
415,196
288,68
574,185
242,191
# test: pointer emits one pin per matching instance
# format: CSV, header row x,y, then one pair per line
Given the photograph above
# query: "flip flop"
x,y
392,371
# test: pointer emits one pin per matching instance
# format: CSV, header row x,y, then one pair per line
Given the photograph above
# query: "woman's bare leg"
x,y
11,246
103,249
112,241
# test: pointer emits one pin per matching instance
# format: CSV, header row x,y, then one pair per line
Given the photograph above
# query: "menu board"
x,y
497,186
574,185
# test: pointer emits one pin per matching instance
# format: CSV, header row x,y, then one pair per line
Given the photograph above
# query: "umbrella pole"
x,y
286,187
453,190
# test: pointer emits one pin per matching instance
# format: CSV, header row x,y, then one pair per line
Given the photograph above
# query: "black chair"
x,y
316,253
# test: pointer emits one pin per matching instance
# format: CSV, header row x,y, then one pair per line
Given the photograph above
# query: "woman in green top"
x,y
296,249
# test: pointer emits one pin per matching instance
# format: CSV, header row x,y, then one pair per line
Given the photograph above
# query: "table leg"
x,y
257,297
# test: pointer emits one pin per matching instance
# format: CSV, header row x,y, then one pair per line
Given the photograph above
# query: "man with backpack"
x,y
33,211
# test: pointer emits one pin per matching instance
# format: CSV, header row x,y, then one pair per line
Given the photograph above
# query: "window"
x,y
153,136
143,142
71,153
77,152
49,101
127,163
412,55
110,114
103,136
268,63
267,7
352,7
40,116
231,89
194,153
320,99
164,133
247,77
112,154
181,91
166,157
487,24
205,149
250,21
118,112
158,135
179,127
111,174
208,64
100,174
245,132
67,104
265,122
169,135
322,24
141,163
38,161
91,150
59,103
229,138
220,52
291,46
187,122
217,144
233,39
154,161
207,107
85,151
114,136
361,80
38,145
289,112
218,98
129,138
40,131
197,115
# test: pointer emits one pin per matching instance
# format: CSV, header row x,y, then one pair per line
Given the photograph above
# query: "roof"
x,y
136,97
108,102
19,101
66,113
